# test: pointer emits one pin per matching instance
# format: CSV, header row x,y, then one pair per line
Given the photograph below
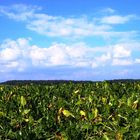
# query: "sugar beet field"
x,y
108,110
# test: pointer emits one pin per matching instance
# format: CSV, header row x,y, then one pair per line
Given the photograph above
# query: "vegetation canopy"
x,y
70,110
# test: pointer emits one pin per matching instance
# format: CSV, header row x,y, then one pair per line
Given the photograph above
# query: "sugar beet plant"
x,y
71,111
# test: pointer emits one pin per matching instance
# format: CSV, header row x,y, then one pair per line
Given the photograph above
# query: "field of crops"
x,y
70,111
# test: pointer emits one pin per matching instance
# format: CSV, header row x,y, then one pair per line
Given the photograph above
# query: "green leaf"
x,y
26,111
79,102
26,120
104,100
105,137
95,112
86,126
135,104
64,136
129,101
90,98
22,101
122,117
67,113
76,91
82,113
1,114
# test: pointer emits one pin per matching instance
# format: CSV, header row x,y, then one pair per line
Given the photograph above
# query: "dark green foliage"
x,y
71,111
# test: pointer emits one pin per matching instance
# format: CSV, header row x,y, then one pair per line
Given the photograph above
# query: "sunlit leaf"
x,y
135,104
23,101
67,113
95,112
104,100
76,91
26,120
82,113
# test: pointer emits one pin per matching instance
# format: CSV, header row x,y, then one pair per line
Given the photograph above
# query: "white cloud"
x,y
19,12
20,55
53,25
60,54
65,27
9,54
137,60
13,54
54,55
102,60
108,10
120,51
117,19
72,27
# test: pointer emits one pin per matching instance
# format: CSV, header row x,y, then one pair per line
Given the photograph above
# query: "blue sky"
x,y
69,40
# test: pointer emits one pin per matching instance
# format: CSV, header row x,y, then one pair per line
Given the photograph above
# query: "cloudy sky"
x,y
69,39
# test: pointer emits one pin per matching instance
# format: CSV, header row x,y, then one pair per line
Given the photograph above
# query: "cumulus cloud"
x,y
54,55
65,61
9,54
13,54
20,55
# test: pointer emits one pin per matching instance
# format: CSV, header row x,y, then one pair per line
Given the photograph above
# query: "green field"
x,y
71,111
